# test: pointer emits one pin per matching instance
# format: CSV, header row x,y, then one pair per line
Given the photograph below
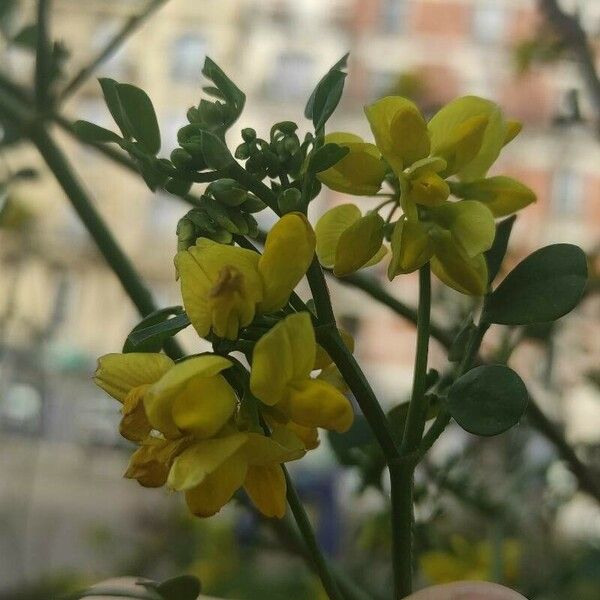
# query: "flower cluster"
x,y
424,163
197,431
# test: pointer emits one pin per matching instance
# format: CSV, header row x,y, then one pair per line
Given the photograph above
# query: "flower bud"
x,y
290,200
227,192
429,189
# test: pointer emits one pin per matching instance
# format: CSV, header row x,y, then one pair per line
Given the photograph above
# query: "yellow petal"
x,y
330,227
204,406
151,462
283,446
470,223
461,121
456,269
284,354
513,128
428,189
377,257
358,244
217,488
118,374
160,397
502,195
266,488
400,131
411,247
220,286
308,435
316,403
134,425
360,172
203,458
289,250
332,375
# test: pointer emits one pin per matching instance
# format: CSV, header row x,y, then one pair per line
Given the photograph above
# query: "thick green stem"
x,y
402,470
312,545
332,343
106,243
43,56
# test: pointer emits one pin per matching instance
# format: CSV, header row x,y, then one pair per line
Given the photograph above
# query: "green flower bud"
x,y
242,152
252,204
290,200
248,134
181,159
227,191
186,233
178,187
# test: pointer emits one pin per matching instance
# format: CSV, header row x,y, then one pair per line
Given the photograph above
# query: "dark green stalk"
x,y
329,338
402,471
111,47
308,535
43,56
111,251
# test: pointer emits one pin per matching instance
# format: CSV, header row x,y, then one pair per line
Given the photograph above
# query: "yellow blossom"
x,y
223,287
360,172
126,377
280,377
348,241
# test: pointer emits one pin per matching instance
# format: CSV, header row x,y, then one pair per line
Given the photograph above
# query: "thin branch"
x,y
111,47
572,33
43,56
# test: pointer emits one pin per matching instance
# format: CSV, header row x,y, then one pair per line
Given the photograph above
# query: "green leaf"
x,y
326,157
152,331
132,110
94,134
184,587
339,65
115,106
26,37
215,152
545,286
487,400
140,114
326,96
225,90
495,255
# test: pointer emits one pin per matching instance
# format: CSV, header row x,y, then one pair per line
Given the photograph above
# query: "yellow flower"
x,y
223,287
360,172
280,377
453,236
348,241
191,399
211,471
471,562
126,377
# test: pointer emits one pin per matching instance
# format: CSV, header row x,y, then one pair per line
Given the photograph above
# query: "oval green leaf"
x,y
94,134
487,400
545,286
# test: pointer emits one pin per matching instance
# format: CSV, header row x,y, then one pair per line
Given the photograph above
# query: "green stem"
x,y
402,471
43,56
320,293
111,47
329,338
310,540
106,243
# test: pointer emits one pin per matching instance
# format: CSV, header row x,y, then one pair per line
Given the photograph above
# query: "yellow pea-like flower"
x,y
282,361
400,131
348,241
502,195
211,471
223,287
471,131
127,377
360,172
191,399
428,189
411,247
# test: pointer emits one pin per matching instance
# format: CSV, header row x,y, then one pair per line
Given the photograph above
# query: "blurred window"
x,y
118,66
393,15
21,408
187,57
489,22
567,194
293,76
